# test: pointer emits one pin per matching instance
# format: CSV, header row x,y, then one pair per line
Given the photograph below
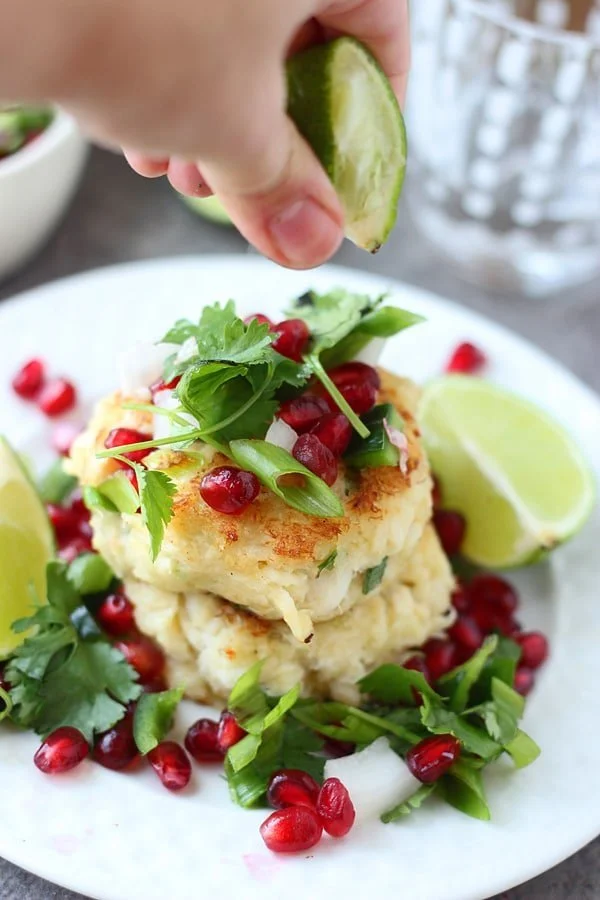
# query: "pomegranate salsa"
x,y
20,125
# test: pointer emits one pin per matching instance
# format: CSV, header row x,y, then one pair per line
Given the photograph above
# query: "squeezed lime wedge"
x,y
26,545
516,475
343,104
209,208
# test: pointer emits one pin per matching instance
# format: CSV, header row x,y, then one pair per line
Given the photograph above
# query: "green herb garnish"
x,y
153,718
328,563
373,577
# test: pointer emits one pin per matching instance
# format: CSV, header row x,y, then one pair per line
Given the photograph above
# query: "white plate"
x,y
118,837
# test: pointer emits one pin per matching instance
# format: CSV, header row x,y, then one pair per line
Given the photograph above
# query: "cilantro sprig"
x,y
66,672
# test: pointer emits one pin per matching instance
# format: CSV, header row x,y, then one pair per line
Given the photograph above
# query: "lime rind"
x,y
511,469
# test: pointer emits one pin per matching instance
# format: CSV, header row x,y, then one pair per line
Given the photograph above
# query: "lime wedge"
x,y
518,478
343,104
209,208
26,545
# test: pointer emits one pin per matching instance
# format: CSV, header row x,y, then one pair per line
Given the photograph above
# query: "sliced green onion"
x,y
523,750
116,494
315,364
270,463
89,573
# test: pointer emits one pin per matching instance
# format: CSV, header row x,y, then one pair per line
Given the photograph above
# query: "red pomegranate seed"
x,y
144,656
293,338
416,663
131,476
360,396
115,614
467,634
318,458
460,599
432,758
63,436
436,493
440,657
355,373
62,750
335,808
524,680
335,749
161,385
534,649
29,379
57,397
120,437
229,732
292,829
171,764
258,317
202,741
75,548
467,358
334,431
450,527
229,490
156,685
116,749
303,412
493,602
64,520
292,787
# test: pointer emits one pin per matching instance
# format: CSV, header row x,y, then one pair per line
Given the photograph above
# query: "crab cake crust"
x,y
266,560
209,643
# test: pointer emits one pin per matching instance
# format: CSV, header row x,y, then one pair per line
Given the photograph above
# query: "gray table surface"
x,y
117,217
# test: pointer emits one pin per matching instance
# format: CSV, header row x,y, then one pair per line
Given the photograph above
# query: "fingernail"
x,y
305,233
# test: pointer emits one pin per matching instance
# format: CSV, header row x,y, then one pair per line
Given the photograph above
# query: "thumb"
x,y
272,184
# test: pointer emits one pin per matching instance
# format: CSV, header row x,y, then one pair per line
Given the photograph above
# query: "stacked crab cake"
x,y
322,600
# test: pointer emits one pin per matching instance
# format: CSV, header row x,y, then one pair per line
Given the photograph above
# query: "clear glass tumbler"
x,y
504,138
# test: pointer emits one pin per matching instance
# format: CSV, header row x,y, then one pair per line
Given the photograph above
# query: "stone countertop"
x,y
117,217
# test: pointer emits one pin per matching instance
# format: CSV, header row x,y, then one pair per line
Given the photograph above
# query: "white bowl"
x,y
36,184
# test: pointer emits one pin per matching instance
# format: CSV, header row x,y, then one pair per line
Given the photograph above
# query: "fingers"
x,y
187,179
143,165
271,183
380,24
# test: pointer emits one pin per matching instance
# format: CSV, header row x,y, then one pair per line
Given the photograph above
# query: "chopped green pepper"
x,y
376,450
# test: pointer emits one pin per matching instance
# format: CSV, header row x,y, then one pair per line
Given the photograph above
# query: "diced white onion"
x,y
163,425
281,435
371,353
140,366
376,779
399,440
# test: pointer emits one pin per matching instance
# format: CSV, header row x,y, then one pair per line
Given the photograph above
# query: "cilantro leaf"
x,y
458,683
328,563
414,802
153,718
391,683
474,739
156,500
463,789
372,577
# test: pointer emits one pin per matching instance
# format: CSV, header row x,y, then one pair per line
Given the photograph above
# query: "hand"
x,y
204,82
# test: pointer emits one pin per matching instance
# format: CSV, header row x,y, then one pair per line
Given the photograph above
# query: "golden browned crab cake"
x,y
267,559
209,643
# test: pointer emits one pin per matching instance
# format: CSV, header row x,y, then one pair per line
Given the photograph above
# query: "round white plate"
x,y
118,837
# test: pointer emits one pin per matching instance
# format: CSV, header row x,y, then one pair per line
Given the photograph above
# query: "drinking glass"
x,y
504,138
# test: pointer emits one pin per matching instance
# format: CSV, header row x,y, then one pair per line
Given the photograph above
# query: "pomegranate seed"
x,y
78,508
120,437
202,741
360,396
417,663
524,680
62,750
432,758
156,685
229,732
467,358
334,431
116,749
75,548
229,490
63,436
335,749
161,385
450,527
292,829
258,317
144,656
115,615
57,397
318,458
534,649
64,521
29,379
335,808
436,493
131,476
467,634
292,787
303,412
293,338
440,657
460,599
493,602
355,373
171,764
